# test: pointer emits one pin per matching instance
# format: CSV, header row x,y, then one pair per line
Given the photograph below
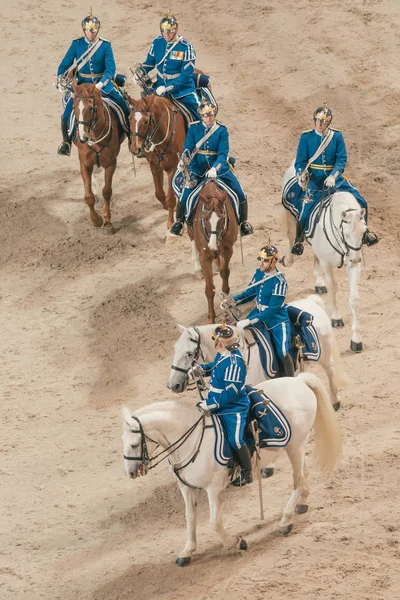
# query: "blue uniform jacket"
x,y
331,161
227,393
175,71
270,309
100,67
213,153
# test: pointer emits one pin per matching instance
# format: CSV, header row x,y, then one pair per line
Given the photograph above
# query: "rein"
x,y
197,353
338,235
149,145
92,124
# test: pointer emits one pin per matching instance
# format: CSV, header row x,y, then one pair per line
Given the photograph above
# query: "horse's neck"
x,y
166,422
339,204
103,119
162,119
207,343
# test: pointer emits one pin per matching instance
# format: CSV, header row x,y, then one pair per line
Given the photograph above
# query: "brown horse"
x,y
158,132
98,140
213,233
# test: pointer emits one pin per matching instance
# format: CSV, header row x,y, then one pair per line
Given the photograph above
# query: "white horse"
x,y
179,428
197,341
337,241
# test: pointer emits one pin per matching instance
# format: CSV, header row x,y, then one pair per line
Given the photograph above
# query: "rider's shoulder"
x,y
307,131
104,40
336,130
194,123
184,42
79,39
221,124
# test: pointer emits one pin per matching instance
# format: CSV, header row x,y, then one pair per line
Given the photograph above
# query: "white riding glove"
x,y
212,173
243,324
303,180
330,181
203,405
195,371
160,91
100,85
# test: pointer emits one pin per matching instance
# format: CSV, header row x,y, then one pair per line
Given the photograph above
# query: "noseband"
x,y
196,353
91,124
144,457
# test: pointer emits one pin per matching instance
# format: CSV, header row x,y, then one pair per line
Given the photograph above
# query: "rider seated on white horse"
x,y
95,64
325,170
207,142
227,396
269,288
174,58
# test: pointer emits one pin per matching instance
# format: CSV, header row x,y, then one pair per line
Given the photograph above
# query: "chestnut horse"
x,y
158,133
98,140
213,234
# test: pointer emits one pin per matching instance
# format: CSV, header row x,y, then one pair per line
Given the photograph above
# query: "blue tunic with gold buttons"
x,y
100,67
331,161
174,63
212,153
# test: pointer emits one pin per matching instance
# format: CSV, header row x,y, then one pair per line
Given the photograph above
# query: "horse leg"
x,y
300,489
353,273
107,194
158,178
327,361
206,267
336,320
170,200
216,503
86,173
196,261
287,259
320,286
225,257
190,497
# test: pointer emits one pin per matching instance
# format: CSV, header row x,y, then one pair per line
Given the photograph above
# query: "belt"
x,y
321,167
206,152
90,75
165,76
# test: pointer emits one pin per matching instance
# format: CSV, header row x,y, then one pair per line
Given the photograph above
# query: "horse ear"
x,y
181,328
362,212
132,101
126,414
74,85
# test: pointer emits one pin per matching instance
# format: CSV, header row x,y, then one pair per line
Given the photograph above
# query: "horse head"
x,y
141,118
353,228
137,446
88,108
213,214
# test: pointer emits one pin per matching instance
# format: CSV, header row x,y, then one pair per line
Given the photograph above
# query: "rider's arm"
x,y
208,367
223,148
109,66
150,61
187,70
302,154
341,155
248,295
68,60
234,379
275,304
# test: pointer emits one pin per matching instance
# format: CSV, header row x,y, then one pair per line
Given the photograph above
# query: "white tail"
x,y
327,435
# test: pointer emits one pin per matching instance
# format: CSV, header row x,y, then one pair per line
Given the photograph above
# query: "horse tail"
x,y
327,435
317,299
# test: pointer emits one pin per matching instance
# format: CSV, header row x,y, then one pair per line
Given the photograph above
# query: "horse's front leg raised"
x,y
327,268
216,502
190,497
206,267
86,173
287,258
107,194
353,273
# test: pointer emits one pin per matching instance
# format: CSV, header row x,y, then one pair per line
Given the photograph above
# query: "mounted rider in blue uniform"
x,y
95,64
268,287
320,161
174,58
227,396
207,144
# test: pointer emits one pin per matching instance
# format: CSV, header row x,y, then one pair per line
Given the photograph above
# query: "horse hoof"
x,y
267,472
183,562
336,406
107,229
355,346
301,509
286,530
198,274
287,261
243,544
321,289
337,323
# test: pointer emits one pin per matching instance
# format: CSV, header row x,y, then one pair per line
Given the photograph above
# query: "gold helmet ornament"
x,y
226,336
90,23
268,252
206,108
323,114
168,23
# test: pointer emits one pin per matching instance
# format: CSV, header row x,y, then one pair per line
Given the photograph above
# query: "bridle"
x,y
197,353
339,243
92,124
152,128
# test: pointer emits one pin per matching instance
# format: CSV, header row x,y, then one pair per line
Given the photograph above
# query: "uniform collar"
x,y
322,135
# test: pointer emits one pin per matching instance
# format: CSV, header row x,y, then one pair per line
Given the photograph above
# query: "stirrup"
x,y
244,478
246,228
370,239
64,149
176,228
298,248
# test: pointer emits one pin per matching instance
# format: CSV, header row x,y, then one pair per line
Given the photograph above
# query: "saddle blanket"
x,y
308,213
114,107
274,428
178,183
302,325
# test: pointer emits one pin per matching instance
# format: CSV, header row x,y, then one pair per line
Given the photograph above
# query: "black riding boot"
x,y
244,458
288,366
370,238
176,228
65,147
245,227
298,247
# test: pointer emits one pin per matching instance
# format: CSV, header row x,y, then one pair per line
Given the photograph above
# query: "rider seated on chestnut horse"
x,y
95,64
205,155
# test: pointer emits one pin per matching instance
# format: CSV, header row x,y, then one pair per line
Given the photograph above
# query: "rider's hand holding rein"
x,y
212,173
243,324
160,91
330,181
